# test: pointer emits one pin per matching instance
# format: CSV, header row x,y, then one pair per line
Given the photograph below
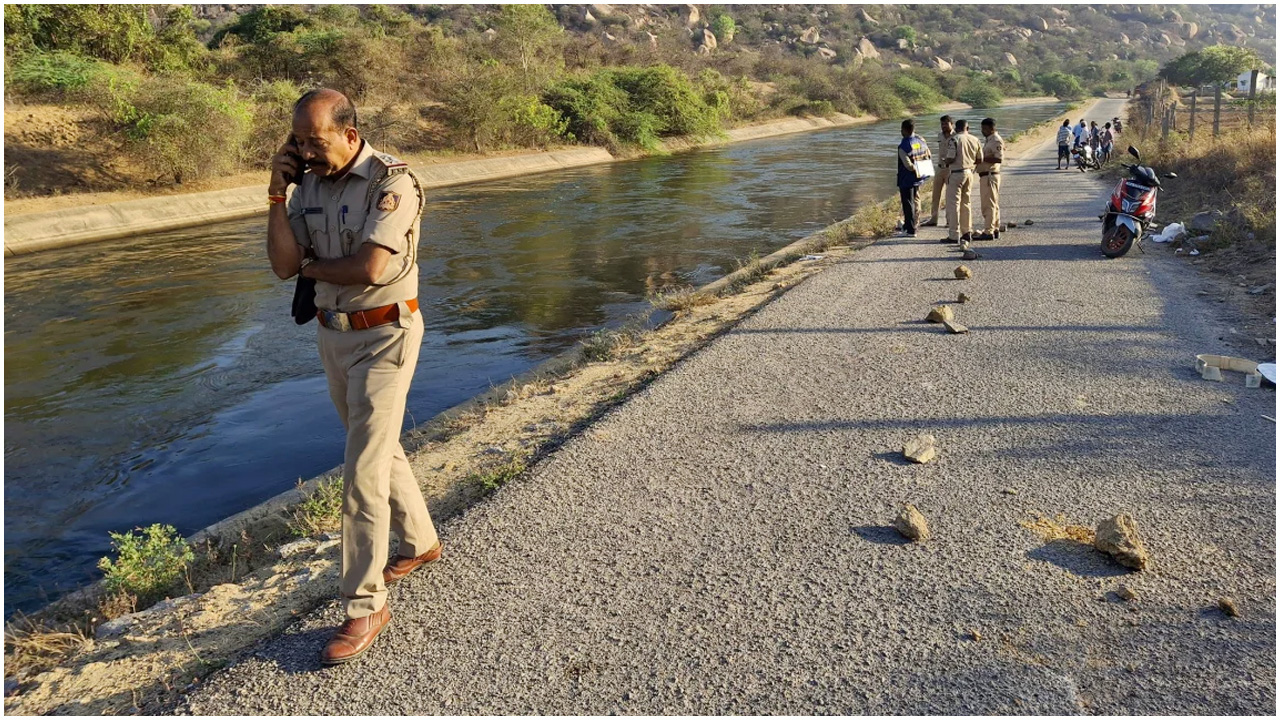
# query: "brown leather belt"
x,y
363,319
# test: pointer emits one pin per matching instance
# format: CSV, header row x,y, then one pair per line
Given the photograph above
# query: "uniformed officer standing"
x,y
352,225
962,155
989,180
940,179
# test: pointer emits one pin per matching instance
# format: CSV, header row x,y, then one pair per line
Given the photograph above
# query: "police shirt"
x,y
376,201
992,153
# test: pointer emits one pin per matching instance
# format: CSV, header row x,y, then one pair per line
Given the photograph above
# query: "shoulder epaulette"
x,y
392,164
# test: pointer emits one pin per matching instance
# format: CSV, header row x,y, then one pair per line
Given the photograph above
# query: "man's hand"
x,y
284,166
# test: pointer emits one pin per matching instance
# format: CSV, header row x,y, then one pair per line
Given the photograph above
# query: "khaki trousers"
x,y
990,191
369,373
939,186
959,187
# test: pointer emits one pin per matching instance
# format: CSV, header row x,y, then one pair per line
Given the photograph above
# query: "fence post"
x,y
1217,108
1191,124
1253,93
1164,124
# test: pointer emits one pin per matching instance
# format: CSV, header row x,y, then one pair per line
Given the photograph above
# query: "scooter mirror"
x,y
1171,175
1134,152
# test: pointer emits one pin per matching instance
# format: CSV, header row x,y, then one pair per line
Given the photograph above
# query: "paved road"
x,y
719,544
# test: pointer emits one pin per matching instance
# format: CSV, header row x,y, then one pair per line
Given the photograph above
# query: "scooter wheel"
x,y
1116,241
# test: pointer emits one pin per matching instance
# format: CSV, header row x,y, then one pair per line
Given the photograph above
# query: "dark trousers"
x,y
910,208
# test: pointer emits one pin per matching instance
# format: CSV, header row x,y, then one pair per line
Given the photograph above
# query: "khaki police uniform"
x,y
369,370
940,177
989,181
963,154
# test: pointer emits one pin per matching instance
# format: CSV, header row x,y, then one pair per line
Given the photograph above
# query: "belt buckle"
x,y
335,320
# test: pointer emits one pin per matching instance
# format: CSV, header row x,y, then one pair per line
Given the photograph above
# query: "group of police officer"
x,y
966,161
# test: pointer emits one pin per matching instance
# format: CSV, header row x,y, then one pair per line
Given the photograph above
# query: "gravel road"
x,y
720,543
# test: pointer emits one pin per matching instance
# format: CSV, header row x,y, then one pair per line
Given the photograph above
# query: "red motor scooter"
x,y
1131,208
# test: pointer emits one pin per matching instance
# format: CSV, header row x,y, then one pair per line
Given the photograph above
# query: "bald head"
x,y
324,128
341,111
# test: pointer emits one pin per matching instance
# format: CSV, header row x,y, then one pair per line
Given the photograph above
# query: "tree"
x,y
1060,85
905,32
1213,65
530,36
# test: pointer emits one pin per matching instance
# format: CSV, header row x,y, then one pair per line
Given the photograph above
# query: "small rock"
x,y
331,535
1118,537
911,524
963,298
114,628
1010,491
10,686
779,286
1228,607
326,546
921,449
297,547
1205,221
941,314
1260,289
963,273
955,328
1029,223
975,636
970,255
1126,593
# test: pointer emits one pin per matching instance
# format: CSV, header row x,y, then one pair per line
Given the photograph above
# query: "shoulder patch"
x,y
390,163
388,201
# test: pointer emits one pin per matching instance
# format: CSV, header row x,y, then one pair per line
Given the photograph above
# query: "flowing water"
x,y
161,379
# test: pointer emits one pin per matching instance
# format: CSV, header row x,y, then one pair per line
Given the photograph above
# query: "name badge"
x,y
313,211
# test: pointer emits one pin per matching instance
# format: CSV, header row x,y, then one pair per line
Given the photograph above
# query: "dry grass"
x,y
681,299
1058,528
321,511
30,646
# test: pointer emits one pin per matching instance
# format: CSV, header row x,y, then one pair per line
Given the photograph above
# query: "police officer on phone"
x,y
351,224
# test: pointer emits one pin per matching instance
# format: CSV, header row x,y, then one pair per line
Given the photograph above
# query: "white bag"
x,y
924,169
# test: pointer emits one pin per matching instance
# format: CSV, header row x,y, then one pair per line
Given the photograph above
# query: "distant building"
x,y
1265,83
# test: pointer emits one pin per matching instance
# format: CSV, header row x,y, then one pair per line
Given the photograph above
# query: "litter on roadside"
x,y
1170,232
1210,367
813,257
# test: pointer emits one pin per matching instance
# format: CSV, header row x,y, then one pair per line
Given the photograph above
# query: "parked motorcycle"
x,y
1131,208
1085,158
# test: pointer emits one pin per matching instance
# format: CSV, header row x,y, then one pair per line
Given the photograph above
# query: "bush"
x,y
917,96
178,128
58,72
148,562
1060,85
723,28
979,93
876,95
271,120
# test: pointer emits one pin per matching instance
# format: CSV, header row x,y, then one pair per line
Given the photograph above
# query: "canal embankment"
x,y
29,232
251,582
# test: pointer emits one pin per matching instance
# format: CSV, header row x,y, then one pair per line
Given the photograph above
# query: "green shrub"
x,y
666,93
878,98
177,128
534,123
917,95
723,28
979,93
148,562
58,72
1060,85
905,32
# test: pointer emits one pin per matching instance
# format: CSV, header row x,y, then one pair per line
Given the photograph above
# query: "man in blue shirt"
x,y
911,151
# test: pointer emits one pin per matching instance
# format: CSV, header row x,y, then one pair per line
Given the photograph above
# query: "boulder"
x,y
940,313
911,524
904,44
1059,13
1188,30
921,448
1038,23
1205,221
810,36
940,64
864,17
1164,39
601,10
955,328
1124,39
297,547
904,66
489,34
589,19
866,47
692,16
653,39
708,39
963,273
1173,16
1010,59
1118,537
827,53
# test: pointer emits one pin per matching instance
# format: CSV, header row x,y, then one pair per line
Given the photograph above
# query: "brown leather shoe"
x,y
401,566
354,637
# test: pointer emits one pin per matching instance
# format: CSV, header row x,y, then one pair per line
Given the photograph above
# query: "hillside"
x,y
150,96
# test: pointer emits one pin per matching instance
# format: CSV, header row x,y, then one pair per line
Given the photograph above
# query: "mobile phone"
x,y
293,151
